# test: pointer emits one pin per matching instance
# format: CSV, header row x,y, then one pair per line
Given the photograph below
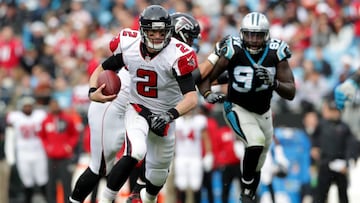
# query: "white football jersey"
x,y
188,135
125,79
152,81
26,129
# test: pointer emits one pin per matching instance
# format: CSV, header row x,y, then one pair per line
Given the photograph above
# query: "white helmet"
x,y
254,32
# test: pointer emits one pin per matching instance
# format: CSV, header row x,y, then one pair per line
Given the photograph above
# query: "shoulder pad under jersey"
x,y
281,47
231,43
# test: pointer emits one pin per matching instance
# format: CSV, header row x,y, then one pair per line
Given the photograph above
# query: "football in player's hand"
x,y
111,80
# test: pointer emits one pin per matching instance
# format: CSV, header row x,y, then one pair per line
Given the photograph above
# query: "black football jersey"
x,y
241,89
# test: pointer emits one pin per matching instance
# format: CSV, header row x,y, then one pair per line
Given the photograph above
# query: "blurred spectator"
x,y
54,32
347,97
62,92
331,152
296,147
321,30
212,129
12,15
11,50
346,68
313,87
191,132
59,137
227,160
80,100
46,60
321,64
7,87
302,39
30,158
38,30
204,21
310,126
78,15
29,59
42,85
4,165
210,7
101,51
341,37
123,18
276,165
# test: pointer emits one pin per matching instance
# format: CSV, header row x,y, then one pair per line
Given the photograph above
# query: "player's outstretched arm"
x,y
206,66
205,85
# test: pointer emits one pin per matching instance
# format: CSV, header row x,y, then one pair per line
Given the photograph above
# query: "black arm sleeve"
x,y
223,78
196,75
186,83
114,62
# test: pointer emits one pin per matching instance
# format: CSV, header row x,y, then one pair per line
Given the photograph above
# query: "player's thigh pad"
x,y
159,155
255,130
137,130
107,131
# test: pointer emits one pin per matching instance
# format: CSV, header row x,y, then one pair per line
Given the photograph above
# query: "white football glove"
x,y
344,93
208,162
215,97
282,161
280,157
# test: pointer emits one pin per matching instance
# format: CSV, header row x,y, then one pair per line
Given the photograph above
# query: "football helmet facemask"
x,y
186,29
254,32
155,18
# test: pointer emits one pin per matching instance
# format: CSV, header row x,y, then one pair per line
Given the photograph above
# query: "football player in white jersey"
x,y
31,159
107,130
257,65
161,89
110,116
191,133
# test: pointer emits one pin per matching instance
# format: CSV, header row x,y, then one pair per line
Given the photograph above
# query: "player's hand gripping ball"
x,y
111,80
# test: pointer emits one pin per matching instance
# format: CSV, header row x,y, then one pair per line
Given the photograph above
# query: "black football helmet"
x,y
186,29
155,17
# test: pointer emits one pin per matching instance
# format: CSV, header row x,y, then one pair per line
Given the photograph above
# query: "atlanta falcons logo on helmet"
x,y
183,23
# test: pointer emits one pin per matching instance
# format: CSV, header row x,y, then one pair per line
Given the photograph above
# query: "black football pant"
x,y
325,178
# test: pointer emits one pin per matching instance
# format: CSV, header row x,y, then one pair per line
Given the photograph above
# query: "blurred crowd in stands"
x,y
49,48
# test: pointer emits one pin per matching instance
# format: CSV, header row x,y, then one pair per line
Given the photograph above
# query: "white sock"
x,y
149,196
73,201
109,194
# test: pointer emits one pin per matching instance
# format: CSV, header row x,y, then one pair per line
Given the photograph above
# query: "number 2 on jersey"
x,y
147,88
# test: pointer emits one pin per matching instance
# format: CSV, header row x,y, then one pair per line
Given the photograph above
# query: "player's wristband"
x,y
91,90
276,85
207,92
213,58
174,114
